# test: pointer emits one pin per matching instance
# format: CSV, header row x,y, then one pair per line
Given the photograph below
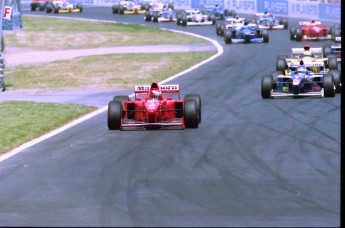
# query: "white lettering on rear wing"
x,y
305,23
164,88
307,64
301,50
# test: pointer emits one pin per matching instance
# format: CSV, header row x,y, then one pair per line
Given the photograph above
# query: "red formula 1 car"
x,y
151,110
312,30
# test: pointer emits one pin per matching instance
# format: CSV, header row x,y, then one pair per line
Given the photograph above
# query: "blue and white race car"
x,y
299,81
246,34
268,21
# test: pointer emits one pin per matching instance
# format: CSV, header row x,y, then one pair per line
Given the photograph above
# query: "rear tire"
x,y
328,85
114,115
190,114
197,99
336,79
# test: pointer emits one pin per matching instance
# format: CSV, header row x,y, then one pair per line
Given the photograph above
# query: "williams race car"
x,y
246,34
299,81
311,55
64,7
268,21
229,23
195,17
164,15
151,110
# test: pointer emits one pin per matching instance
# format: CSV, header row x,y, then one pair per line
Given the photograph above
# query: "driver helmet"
x,y
302,70
156,95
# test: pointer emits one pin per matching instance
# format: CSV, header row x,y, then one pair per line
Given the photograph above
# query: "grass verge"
x,y
24,121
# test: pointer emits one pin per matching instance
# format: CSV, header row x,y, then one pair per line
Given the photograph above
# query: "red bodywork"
x,y
144,111
313,30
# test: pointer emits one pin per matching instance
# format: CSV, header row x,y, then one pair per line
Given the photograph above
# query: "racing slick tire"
x,y
184,20
336,33
292,33
122,99
190,114
155,17
265,36
281,64
49,8
80,7
115,9
326,50
227,36
197,99
266,86
222,28
332,63
328,85
299,35
114,115
179,18
336,79
285,22
147,16
121,10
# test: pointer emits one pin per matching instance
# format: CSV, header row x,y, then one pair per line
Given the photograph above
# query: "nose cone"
x,y
152,106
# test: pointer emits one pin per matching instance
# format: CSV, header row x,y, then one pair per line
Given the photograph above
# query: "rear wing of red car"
x,y
308,23
145,89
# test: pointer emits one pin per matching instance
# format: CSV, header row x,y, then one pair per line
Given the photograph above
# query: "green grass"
x,y
24,121
45,33
120,71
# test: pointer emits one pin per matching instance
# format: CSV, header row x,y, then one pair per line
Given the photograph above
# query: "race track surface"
x,y
251,162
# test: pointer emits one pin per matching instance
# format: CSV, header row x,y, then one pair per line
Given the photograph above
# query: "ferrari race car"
x,y
246,34
38,4
129,7
268,21
299,81
165,15
151,110
312,30
195,17
64,7
229,23
309,56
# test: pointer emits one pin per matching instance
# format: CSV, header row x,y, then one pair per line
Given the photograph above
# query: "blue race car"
x,y
219,12
268,21
300,81
246,34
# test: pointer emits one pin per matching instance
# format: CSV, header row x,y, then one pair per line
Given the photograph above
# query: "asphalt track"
x,y
251,162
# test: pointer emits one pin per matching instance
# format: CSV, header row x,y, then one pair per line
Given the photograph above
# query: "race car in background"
x,y
229,23
151,109
165,15
298,81
266,20
246,34
64,7
219,12
310,30
39,4
129,7
333,49
309,56
195,17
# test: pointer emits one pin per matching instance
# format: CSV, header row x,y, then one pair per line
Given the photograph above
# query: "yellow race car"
x,y
64,7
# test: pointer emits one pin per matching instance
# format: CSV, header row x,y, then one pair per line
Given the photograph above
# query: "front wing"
x,y
131,123
271,27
